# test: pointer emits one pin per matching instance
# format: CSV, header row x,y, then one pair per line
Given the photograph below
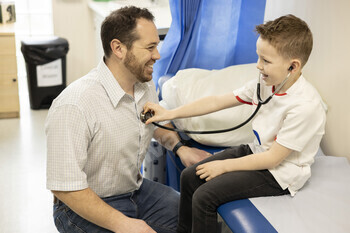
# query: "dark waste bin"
x,y
46,69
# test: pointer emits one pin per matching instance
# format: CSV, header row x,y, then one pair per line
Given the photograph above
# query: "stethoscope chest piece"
x,y
144,116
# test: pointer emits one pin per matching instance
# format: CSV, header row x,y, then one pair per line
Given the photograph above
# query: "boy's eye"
x,y
266,61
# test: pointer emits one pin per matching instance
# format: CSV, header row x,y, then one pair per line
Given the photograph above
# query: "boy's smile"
x,y
272,66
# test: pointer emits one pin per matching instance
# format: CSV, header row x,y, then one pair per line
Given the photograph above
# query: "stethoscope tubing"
x,y
260,103
211,131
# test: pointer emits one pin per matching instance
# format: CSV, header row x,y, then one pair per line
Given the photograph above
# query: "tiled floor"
x,y
25,204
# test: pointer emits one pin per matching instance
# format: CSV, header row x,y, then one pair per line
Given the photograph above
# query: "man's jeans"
x,y
154,203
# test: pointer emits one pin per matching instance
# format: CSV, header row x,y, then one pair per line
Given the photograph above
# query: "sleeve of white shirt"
x,y
68,139
245,94
302,124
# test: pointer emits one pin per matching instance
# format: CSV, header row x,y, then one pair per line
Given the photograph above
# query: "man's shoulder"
x,y
80,91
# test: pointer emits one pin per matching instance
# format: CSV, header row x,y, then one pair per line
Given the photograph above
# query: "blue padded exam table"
x,y
321,206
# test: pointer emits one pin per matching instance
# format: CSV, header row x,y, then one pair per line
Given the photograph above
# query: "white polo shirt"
x,y
95,137
296,120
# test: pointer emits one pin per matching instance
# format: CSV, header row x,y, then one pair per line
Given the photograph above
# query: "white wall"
x,y
73,20
328,66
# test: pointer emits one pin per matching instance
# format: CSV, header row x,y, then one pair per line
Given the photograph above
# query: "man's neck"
x,y
123,76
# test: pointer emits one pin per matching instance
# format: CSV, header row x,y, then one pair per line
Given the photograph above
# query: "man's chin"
x,y
145,78
148,76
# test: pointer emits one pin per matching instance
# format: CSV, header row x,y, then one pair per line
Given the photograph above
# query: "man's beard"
x,y
136,68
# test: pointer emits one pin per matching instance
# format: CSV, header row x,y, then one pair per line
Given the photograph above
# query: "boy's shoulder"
x,y
305,97
304,90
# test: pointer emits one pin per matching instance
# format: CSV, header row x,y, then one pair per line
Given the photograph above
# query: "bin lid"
x,y
45,42
44,50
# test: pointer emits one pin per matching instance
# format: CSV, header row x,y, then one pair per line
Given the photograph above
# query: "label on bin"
x,y
50,74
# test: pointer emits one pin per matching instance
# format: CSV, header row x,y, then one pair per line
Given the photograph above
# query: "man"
x,y
96,142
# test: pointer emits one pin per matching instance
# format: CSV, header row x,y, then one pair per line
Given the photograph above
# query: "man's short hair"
x,y
121,24
290,36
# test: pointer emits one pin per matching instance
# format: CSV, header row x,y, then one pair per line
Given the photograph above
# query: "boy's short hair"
x,y
290,35
121,24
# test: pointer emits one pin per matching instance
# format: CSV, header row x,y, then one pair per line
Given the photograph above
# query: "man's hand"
x,y
191,155
132,225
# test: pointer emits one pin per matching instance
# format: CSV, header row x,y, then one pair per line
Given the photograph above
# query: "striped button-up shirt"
x,y
95,138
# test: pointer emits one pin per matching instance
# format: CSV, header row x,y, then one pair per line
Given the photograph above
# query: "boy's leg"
x,y
229,187
158,206
189,183
199,199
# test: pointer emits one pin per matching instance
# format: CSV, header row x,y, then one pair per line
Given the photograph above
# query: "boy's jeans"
x,y
154,203
200,199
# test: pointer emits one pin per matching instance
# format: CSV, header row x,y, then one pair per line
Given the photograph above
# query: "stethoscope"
x,y
145,116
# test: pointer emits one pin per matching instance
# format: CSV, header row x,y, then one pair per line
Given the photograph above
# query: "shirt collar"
x,y
291,88
112,87
297,85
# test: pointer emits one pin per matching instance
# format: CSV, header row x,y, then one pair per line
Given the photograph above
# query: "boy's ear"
x,y
118,48
295,65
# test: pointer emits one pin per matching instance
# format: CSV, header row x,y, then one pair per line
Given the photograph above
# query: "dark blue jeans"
x,y
154,203
200,199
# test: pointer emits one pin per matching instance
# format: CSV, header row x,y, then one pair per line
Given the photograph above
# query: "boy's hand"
x,y
159,113
211,169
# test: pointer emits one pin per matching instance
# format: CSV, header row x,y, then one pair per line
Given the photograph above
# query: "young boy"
x,y
288,131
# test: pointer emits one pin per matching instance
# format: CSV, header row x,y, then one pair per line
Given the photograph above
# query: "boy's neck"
x,y
291,80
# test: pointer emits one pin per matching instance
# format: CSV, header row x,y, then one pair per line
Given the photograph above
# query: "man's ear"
x,y
118,48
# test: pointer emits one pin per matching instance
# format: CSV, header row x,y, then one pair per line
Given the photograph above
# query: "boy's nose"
x,y
258,65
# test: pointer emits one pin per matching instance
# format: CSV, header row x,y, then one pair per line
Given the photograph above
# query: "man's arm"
x,y
91,207
169,139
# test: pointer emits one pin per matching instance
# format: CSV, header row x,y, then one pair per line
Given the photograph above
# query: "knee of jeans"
x,y
188,174
202,199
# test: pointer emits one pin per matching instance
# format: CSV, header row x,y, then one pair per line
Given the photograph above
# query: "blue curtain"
x,y
209,34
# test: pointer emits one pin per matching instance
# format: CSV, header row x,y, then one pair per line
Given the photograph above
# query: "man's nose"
x,y
156,55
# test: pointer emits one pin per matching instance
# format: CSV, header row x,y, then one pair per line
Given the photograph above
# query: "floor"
x,y
25,204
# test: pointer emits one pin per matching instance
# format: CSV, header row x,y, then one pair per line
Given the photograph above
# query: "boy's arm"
x,y
197,108
260,161
91,207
